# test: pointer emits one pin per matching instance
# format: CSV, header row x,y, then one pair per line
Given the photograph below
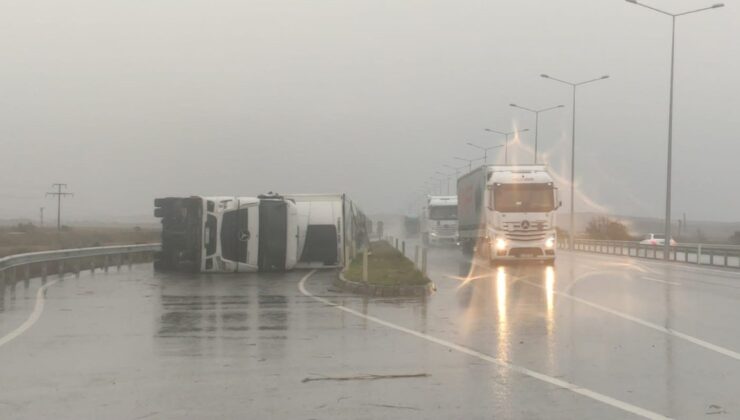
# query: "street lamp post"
x,y
506,145
470,162
536,121
573,150
667,244
447,176
485,150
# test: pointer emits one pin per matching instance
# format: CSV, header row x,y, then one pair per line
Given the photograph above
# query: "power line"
x,y
59,194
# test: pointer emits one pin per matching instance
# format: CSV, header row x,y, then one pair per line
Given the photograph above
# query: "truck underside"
x,y
182,233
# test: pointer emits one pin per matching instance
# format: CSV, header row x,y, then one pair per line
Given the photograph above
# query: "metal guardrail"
x,y
38,263
700,254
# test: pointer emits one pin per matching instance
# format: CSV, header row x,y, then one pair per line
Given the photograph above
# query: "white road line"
x,y
462,349
38,309
661,281
669,331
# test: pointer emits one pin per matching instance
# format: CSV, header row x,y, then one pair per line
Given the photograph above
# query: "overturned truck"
x,y
264,233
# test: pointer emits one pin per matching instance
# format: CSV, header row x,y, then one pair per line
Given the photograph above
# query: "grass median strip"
x,y
386,267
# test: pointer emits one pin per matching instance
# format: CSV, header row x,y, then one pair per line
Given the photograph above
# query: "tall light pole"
x,y
485,150
536,121
667,244
573,151
454,168
448,176
470,162
506,145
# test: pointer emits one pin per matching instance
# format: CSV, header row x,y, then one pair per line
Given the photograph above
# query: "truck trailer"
x,y
331,229
438,220
507,212
227,234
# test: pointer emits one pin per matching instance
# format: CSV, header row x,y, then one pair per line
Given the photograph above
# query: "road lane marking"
x,y
38,309
465,350
661,281
669,331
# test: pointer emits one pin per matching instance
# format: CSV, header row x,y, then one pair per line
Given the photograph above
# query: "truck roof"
x,y
508,174
442,200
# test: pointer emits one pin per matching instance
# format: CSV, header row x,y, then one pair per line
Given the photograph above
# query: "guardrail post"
x,y
416,256
364,265
60,269
726,256
424,261
92,266
26,274
44,269
403,248
77,269
128,259
396,243
119,258
105,263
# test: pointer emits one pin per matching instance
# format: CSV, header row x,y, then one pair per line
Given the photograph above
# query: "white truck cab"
x,y
510,211
227,234
438,220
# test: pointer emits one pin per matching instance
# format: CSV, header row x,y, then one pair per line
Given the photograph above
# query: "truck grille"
x,y
445,230
536,231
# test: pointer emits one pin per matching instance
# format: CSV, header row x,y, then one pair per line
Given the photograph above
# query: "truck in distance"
x,y
438,220
507,212
227,234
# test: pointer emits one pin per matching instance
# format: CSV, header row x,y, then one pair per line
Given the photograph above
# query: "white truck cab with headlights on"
x,y
508,211
438,220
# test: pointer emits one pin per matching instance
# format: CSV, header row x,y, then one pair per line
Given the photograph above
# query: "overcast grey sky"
x,y
129,100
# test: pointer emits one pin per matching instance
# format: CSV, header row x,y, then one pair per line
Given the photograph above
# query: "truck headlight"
x,y
500,244
550,242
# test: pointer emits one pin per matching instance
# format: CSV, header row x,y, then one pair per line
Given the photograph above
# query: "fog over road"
x,y
595,337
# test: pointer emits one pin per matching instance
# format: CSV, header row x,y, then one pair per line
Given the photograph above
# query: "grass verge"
x,y
386,266
27,238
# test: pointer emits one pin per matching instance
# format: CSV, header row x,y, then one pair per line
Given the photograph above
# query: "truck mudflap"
x,y
182,231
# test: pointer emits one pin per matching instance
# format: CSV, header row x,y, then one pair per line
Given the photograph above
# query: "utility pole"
x,y
59,194
41,217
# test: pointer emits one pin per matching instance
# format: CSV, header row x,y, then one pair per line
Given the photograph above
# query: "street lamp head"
x,y
714,6
514,105
606,76
545,76
631,1
560,106
526,129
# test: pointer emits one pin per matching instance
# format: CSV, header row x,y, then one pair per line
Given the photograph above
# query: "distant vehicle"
x,y
656,239
227,234
508,212
411,225
438,220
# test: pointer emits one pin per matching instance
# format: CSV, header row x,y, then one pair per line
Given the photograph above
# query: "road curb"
x,y
381,290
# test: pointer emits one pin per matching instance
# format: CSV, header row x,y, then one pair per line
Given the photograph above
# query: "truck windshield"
x,y
443,213
523,198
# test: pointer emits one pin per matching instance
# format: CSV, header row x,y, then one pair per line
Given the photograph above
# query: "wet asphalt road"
x,y
628,337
